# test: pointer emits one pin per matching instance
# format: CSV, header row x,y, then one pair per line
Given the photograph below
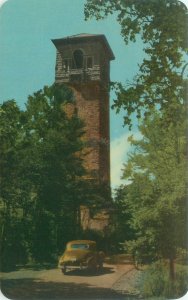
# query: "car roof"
x,y
82,242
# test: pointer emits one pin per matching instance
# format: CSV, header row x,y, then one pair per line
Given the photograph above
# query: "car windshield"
x,y
80,246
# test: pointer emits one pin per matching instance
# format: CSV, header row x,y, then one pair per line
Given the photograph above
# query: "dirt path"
x,y
52,284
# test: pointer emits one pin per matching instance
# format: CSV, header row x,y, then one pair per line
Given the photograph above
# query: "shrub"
x,y
182,256
155,282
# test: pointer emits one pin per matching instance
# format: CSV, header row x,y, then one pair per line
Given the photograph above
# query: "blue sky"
x,y
27,55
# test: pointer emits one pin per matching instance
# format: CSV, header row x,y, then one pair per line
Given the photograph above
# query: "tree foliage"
x,y
13,191
156,195
162,26
41,186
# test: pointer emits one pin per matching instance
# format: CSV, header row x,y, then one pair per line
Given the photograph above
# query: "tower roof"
x,y
85,37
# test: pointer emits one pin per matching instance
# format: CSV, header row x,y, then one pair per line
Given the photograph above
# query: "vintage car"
x,y
81,254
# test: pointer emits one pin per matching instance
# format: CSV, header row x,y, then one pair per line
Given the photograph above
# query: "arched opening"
x,y
78,59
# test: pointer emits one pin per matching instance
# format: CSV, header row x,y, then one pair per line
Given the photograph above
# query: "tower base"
x,y
98,221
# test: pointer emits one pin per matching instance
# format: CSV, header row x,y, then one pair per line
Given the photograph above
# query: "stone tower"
x,y
83,63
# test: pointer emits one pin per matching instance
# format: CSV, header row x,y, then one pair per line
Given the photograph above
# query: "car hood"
x,y
75,254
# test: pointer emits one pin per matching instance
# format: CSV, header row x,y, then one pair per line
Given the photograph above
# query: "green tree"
x,y
120,229
56,170
14,186
156,195
41,186
162,26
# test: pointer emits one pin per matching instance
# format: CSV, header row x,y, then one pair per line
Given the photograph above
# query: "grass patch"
x,y
155,283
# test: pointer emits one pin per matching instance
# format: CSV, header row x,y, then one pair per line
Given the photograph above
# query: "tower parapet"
x,y
83,58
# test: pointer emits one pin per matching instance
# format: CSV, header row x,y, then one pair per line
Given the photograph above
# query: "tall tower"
x,y
83,63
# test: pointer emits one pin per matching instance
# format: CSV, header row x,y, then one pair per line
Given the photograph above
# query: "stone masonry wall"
x,y
92,106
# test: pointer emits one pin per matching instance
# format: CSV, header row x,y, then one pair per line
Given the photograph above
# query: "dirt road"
x,y
52,284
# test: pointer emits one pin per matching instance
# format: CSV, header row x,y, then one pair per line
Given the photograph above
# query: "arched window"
x,y
78,58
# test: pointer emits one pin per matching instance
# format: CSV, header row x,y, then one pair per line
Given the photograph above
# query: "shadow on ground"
x,y
31,289
33,267
103,271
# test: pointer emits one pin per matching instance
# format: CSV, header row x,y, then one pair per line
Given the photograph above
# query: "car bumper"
x,y
78,266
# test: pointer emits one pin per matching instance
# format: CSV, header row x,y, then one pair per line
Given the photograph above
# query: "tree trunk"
x,y
171,269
